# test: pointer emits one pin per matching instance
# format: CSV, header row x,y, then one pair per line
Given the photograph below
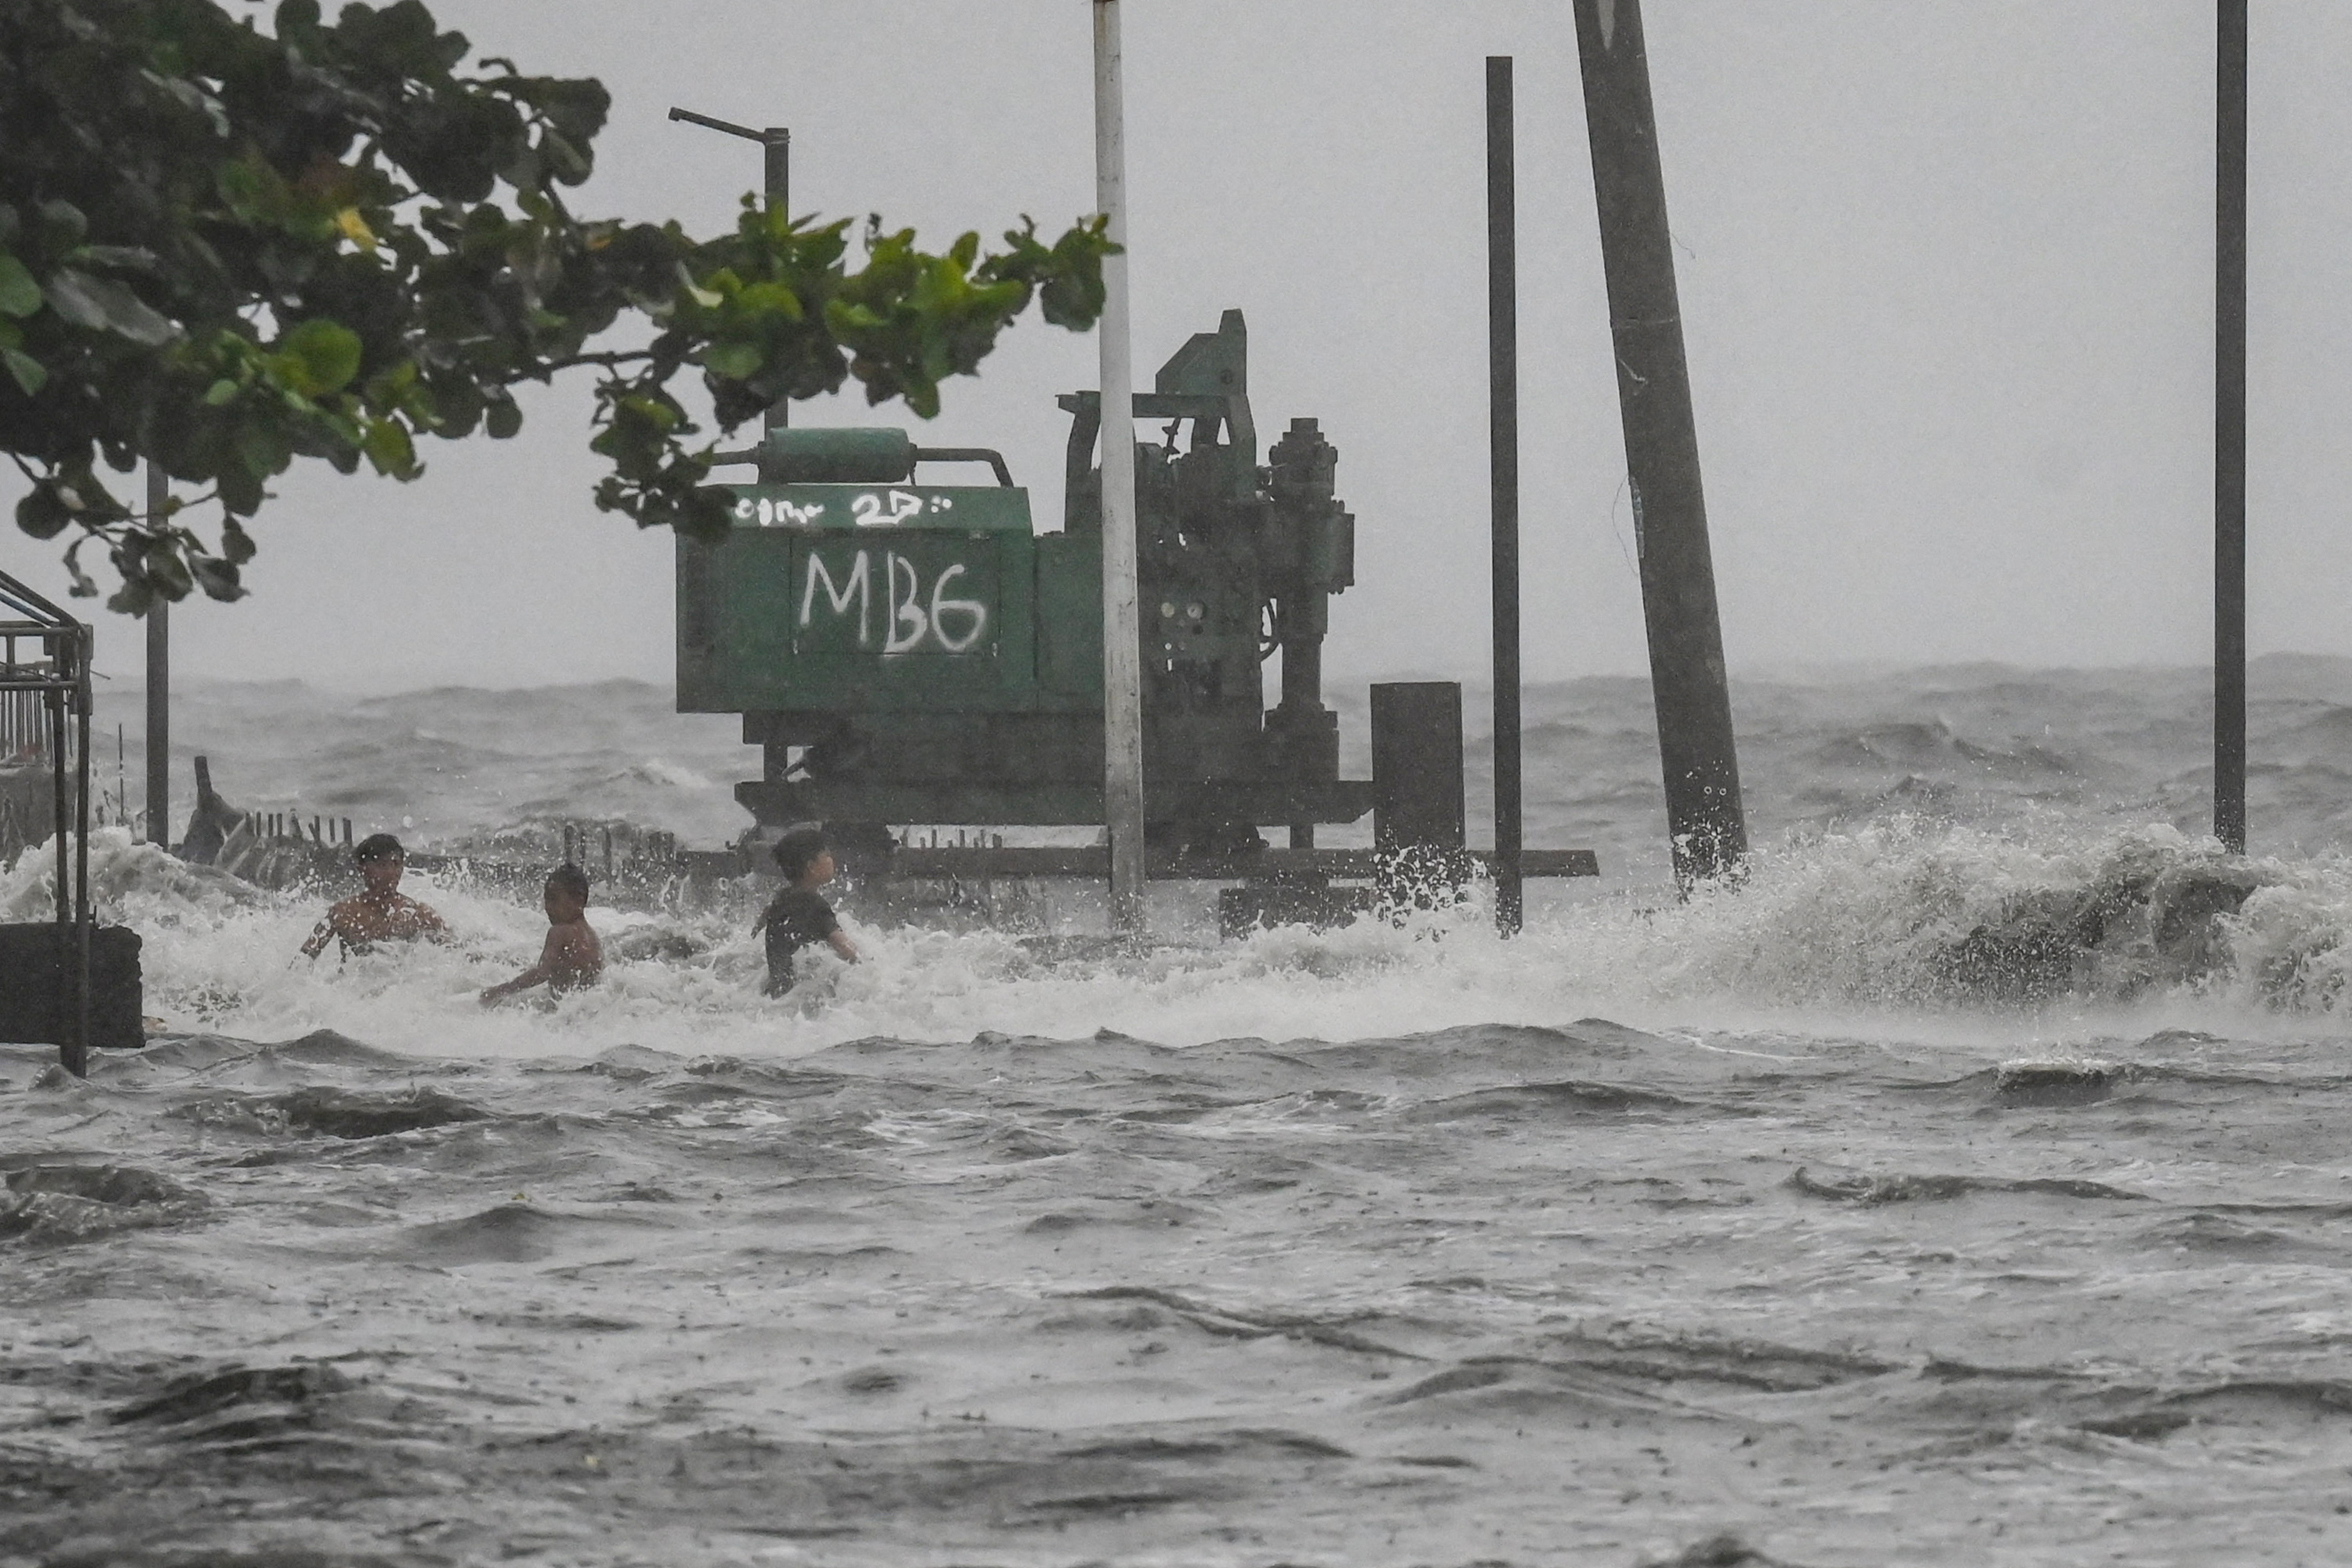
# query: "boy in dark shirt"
x,y
798,917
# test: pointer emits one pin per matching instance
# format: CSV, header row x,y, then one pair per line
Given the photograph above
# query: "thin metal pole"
x,y
77,1061
776,151
58,813
1122,649
159,687
2229,429
1705,821
1503,415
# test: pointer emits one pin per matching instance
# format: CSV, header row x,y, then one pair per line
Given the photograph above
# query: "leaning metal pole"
x,y
2230,428
159,685
1704,815
1503,458
1122,636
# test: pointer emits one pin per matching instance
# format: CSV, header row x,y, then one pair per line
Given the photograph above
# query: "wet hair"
x,y
378,846
797,850
570,878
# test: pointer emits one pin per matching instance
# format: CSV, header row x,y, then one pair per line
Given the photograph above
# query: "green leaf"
x,y
220,392
166,569
42,512
218,579
566,161
103,305
327,353
19,294
236,545
263,450
738,360
24,370
501,419
709,299
62,225
387,446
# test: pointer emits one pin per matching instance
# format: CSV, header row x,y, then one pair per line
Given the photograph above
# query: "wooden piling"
x,y
1705,820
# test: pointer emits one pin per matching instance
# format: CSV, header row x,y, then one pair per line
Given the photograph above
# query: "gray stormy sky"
x,y
1946,269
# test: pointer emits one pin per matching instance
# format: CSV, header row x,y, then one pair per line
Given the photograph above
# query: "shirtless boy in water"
x,y
382,914
573,957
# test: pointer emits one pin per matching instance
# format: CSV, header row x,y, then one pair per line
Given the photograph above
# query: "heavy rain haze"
x,y
1946,271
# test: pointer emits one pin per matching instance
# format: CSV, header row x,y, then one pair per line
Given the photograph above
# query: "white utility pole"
x,y
1122,635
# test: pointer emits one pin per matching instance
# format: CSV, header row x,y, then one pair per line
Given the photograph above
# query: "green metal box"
x,y
886,598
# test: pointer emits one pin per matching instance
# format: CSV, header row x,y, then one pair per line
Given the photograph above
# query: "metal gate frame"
x,y
60,674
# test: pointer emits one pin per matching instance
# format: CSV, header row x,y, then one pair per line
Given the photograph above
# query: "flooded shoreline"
x,y
1571,1294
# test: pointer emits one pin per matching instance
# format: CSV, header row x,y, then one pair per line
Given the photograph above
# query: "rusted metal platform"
x,y
977,863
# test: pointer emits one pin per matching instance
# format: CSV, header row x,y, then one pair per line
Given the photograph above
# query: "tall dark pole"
x,y
1704,817
776,147
1503,415
2230,428
159,688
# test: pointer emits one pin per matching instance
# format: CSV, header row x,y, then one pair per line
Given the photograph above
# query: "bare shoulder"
x,y
577,940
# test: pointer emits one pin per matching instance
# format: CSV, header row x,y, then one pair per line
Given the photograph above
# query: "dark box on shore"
x,y
36,987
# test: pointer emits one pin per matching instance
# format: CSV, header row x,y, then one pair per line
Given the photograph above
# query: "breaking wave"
x,y
1906,915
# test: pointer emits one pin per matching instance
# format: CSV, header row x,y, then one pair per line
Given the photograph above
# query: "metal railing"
x,y
44,699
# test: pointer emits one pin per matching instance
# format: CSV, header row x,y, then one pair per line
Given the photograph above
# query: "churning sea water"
x,y
1972,1186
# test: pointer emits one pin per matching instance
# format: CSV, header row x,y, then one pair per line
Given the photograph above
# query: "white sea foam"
x,y
1841,931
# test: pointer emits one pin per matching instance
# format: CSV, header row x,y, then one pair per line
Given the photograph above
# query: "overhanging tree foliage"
x,y
222,248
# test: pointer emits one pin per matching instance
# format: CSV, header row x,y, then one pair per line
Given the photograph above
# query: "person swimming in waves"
x,y
572,956
380,912
799,917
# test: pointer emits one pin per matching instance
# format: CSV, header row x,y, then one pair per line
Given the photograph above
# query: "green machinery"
x,y
905,651
908,652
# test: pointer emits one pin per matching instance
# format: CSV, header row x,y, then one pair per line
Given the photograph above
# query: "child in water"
x,y
573,957
798,917
379,913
